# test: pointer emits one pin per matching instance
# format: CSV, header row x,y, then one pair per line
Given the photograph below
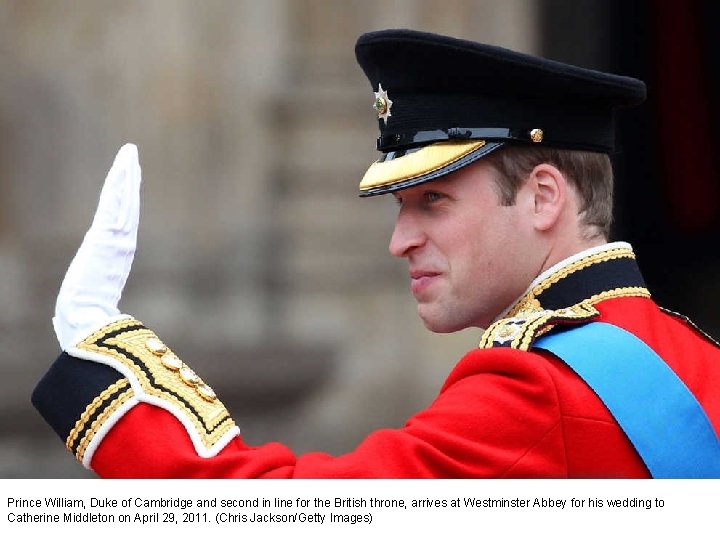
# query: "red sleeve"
x,y
497,415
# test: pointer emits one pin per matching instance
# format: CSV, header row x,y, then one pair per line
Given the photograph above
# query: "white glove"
x,y
89,295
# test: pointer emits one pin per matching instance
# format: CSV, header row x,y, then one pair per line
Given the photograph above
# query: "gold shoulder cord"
x,y
163,380
520,331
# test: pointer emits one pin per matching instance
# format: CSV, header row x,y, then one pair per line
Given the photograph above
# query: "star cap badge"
x,y
382,104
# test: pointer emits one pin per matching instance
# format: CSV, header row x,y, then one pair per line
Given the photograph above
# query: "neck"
x,y
561,251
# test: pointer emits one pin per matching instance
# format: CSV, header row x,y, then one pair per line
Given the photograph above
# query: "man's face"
x,y
469,257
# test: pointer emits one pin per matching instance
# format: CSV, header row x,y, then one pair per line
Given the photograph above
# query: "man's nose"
x,y
406,236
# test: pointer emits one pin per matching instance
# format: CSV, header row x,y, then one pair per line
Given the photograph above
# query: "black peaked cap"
x,y
472,98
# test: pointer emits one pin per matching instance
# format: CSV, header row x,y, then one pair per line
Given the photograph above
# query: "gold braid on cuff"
x,y
154,374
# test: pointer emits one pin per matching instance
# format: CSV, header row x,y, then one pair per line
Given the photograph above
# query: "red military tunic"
x,y
505,410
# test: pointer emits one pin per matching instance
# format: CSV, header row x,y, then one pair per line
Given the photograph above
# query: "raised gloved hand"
x,y
89,294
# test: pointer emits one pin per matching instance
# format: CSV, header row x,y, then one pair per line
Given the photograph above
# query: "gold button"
x,y
536,135
206,392
155,346
189,377
171,361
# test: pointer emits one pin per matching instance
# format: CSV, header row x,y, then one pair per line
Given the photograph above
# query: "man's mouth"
x,y
421,280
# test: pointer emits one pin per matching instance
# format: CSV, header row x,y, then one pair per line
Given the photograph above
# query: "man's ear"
x,y
549,189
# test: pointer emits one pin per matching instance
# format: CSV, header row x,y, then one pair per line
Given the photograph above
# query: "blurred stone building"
x,y
257,261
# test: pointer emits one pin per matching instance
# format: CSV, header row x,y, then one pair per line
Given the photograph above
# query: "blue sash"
x,y
655,409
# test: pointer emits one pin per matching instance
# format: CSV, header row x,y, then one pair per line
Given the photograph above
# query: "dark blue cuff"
x,y
66,390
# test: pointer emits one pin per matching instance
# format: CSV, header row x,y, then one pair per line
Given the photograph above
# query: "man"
x,y
499,164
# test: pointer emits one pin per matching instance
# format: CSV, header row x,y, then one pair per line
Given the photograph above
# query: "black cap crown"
x,y
443,103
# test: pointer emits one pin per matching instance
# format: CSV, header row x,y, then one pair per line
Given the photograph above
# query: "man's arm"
x,y
127,406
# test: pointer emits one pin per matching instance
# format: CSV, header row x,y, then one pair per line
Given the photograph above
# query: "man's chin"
x,y
439,324
442,322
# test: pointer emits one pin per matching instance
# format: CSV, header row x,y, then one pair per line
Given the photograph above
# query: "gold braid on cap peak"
x,y
417,163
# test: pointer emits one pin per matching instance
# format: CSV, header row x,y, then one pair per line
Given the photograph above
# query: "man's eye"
x,y
432,196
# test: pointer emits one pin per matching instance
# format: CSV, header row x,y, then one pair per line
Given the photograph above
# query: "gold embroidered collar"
x,y
567,294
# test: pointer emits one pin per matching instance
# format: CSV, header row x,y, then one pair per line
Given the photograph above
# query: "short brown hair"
x,y
589,172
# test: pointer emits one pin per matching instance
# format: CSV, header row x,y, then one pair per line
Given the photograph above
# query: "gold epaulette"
x,y
531,322
152,374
